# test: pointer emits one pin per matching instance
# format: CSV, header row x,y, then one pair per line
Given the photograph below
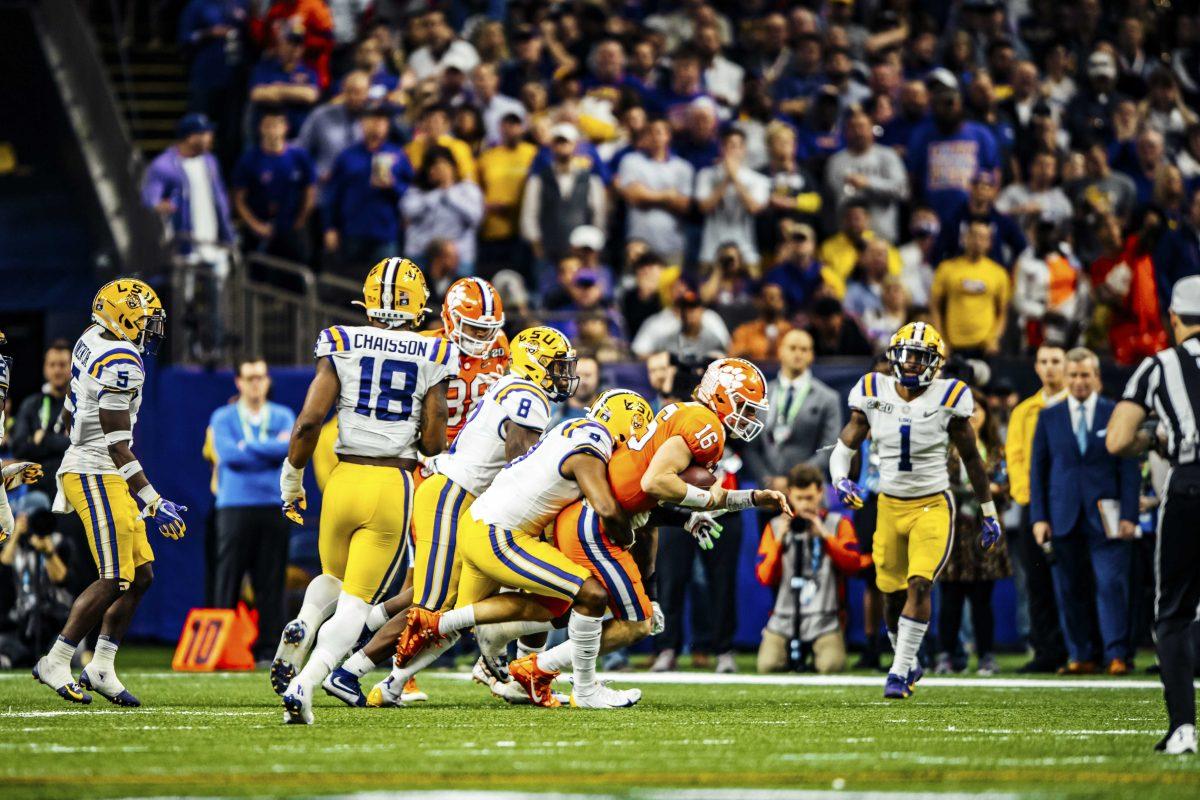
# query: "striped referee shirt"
x,y
1168,384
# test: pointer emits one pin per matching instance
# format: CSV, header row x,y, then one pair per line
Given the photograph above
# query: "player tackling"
x,y
912,416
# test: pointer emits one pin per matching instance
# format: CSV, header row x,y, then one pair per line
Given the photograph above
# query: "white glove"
x,y
20,472
7,523
639,520
704,527
291,491
658,621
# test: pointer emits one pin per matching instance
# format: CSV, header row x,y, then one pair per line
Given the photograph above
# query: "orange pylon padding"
x,y
216,639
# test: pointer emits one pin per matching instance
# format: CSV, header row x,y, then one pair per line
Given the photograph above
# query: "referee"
x,y
1168,386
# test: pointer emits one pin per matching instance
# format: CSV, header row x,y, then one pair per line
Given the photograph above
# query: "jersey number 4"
x,y
377,396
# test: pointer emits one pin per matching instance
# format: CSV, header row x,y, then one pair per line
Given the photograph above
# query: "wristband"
x,y
738,499
147,495
696,498
116,437
989,509
130,469
290,478
840,460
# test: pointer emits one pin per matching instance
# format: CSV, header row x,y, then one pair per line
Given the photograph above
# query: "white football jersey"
x,y
530,491
4,379
105,373
477,454
384,376
911,436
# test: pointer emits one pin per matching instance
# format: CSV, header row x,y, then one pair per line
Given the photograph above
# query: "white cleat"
x,y
297,705
411,693
604,697
480,675
294,644
1181,741
382,695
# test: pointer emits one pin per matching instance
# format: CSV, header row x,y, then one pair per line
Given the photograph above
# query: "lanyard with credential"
x,y
247,430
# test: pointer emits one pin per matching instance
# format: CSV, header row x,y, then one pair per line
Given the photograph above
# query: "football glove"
x,y
990,533
20,472
167,516
703,526
7,523
291,490
850,493
658,620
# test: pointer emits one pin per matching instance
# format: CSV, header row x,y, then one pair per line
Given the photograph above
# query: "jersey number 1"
x,y
388,391
906,447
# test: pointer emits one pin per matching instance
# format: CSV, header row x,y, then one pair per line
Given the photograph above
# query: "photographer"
x,y
825,547
37,556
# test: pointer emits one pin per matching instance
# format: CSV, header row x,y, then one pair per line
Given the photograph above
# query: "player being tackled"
x,y
913,416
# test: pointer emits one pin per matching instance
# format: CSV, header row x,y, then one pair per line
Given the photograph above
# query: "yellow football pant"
x,y
493,557
116,533
913,537
365,514
440,511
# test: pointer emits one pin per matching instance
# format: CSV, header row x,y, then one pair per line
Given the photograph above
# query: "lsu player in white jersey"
x,y
16,473
388,383
913,416
501,546
503,425
99,480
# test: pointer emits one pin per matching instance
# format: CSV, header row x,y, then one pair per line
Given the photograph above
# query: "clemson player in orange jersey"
x,y
473,319
645,473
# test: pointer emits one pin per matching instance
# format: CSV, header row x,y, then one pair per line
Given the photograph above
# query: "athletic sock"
x,y
557,658
892,638
61,653
320,601
456,620
102,667
908,642
421,660
585,631
335,639
499,634
358,664
377,617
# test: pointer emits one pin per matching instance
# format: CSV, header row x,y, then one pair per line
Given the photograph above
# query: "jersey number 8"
x,y
388,392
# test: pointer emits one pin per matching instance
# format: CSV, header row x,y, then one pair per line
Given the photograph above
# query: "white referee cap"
x,y
1185,298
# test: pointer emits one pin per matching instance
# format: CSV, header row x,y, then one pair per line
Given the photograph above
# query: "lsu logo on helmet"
x,y
736,391
545,357
625,413
395,293
130,310
916,353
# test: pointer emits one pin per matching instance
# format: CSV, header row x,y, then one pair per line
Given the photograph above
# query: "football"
x,y
698,476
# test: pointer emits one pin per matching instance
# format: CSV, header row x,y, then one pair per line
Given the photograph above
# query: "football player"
x,y
913,416
389,385
14,474
501,546
102,481
505,423
645,475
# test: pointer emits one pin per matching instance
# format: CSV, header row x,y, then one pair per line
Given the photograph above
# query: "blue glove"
x,y
850,493
167,516
990,534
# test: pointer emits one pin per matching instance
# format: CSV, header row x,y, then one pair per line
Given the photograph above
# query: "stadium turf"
x,y
205,735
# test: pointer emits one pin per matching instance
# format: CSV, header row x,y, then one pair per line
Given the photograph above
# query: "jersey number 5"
x,y
388,392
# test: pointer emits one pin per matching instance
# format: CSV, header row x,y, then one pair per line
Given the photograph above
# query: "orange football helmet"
x,y
736,391
472,315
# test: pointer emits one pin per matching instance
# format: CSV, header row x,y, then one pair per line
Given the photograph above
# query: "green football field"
x,y
207,735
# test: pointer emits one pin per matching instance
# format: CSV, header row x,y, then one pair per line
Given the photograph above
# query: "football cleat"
x,y
293,648
345,687
605,697
496,667
411,693
896,688
914,676
297,705
420,632
1178,742
381,695
67,689
113,692
480,675
536,681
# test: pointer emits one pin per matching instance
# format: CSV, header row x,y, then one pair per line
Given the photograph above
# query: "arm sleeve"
x,y
858,395
445,362
1131,488
1143,383
1039,474
842,548
703,438
960,400
526,408
226,438
1018,456
119,378
330,341
769,566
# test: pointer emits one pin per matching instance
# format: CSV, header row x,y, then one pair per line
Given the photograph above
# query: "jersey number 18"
x,y
380,402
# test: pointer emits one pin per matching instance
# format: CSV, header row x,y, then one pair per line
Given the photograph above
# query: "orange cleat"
x,y
536,681
420,632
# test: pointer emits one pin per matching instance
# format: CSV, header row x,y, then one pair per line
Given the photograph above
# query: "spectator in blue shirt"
x,y
274,191
250,440
1008,240
362,216
797,270
947,151
284,80
212,34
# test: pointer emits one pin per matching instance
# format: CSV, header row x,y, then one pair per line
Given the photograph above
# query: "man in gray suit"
x,y
805,415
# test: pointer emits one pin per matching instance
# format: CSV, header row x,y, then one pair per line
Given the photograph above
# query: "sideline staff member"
x,y
1168,385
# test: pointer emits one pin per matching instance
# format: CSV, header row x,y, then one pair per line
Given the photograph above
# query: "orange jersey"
x,y
475,375
700,429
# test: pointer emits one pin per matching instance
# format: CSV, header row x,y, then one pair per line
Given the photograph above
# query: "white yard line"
x,y
669,794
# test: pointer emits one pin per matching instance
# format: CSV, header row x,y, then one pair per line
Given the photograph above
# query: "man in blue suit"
x,y
1071,471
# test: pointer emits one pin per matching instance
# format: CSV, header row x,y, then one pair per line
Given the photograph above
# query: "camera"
x,y
799,525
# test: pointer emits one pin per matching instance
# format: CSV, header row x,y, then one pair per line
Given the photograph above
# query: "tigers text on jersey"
x,y
384,376
701,431
478,453
105,374
911,436
530,491
475,375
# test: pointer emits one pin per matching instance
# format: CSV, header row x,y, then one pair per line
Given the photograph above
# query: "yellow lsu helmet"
x,y
130,310
395,292
916,353
545,356
625,413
